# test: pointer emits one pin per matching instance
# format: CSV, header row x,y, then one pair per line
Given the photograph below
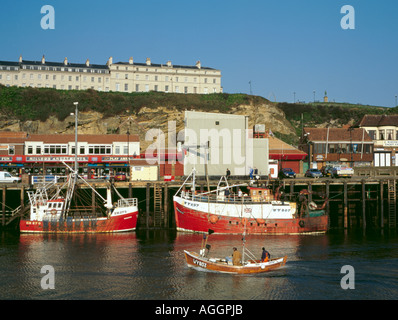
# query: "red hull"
x,y
120,223
191,220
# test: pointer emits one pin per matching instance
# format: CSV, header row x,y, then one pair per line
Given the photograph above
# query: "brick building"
x,y
337,146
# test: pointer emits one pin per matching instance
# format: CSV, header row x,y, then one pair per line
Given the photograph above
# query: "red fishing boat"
x,y
51,212
227,210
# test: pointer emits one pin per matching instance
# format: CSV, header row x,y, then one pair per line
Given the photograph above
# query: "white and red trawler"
x,y
51,212
226,211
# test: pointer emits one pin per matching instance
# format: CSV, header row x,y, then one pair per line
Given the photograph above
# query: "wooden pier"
x,y
358,202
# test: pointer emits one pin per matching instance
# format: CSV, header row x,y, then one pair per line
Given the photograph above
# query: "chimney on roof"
x,y
43,60
87,63
65,61
110,61
169,63
131,61
148,61
20,58
198,65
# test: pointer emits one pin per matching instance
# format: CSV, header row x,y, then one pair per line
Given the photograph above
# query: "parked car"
x,y
120,176
286,173
327,171
7,177
339,172
313,173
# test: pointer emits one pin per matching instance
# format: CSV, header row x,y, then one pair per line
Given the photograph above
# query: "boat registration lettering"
x,y
33,223
192,204
116,213
200,263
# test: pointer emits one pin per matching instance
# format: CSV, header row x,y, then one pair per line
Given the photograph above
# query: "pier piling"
x,y
349,200
363,205
3,220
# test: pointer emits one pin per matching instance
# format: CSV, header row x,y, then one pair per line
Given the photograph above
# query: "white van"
x,y
7,177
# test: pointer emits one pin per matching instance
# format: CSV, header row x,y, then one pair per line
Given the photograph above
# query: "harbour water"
x,y
150,265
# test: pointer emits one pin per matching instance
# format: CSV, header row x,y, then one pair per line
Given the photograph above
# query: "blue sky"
x,y
282,46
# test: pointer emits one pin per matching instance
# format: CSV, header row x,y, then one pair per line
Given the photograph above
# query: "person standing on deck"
x,y
228,173
236,257
265,255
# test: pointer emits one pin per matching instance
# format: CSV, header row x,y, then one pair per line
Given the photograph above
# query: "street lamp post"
x,y
306,138
128,152
76,165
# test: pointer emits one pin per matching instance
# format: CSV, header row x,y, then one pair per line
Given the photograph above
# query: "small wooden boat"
x,y
201,262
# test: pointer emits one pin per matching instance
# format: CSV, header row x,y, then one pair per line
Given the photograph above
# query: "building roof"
x,y
61,64
379,120
10,137
279,149
94,66
13,134
53,64
89,138
337,134
163,65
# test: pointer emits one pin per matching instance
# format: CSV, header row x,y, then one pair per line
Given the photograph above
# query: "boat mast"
x,y
72,182
243,242
206,147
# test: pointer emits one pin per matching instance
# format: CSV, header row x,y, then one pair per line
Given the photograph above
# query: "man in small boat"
x,y
265,256
236,257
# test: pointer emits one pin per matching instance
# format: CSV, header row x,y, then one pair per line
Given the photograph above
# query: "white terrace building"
x,y
127,76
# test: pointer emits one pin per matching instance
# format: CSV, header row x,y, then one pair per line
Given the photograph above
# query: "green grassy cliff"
x,y
105,112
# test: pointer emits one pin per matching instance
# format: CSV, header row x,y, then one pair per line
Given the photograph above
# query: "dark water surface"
x,y
150,265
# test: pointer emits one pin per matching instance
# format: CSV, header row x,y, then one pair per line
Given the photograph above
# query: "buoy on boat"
x,y
213,219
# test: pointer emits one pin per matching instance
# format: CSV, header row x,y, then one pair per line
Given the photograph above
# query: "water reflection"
x,y
151,265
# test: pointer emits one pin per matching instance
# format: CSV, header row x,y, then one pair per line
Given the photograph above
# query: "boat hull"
x,y
189,219
195,261
120,223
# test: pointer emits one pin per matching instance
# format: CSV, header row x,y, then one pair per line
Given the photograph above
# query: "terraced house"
x,y
383,130
126,76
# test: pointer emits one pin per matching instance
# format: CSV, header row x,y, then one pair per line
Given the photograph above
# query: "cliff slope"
x,y
48,111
